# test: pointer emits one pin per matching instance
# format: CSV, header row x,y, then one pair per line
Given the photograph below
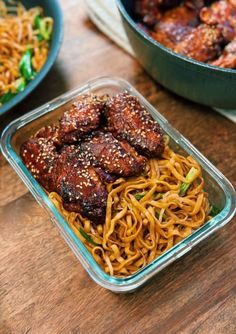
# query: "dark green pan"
x,y
196,81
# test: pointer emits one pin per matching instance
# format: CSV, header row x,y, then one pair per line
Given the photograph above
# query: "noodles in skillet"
x,y
146,215
24,46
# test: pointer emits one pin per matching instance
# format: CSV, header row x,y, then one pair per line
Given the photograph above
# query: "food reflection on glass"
x,y
199,29
24,45
112,174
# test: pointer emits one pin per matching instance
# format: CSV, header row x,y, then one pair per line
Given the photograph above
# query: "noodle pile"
x,y
146,215
21,31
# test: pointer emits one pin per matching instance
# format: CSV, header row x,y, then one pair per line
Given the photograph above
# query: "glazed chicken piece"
x,y
40,157
79,185
105,176
143,7
203,43
128,120
194,4
228,58
113,156
174,25
223,15
69,174
83,117
50,132
150,10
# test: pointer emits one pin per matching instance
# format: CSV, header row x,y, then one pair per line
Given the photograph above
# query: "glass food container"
x,y
221,192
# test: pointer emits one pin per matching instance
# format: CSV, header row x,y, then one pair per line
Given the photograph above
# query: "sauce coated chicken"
x,y
199,29
83,117
170,30
97,140
128,120
113,156
80,185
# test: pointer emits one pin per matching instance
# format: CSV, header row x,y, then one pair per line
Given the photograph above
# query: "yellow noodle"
x,y
139,229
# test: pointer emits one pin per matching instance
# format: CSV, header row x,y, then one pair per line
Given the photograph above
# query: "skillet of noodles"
x,y
24,45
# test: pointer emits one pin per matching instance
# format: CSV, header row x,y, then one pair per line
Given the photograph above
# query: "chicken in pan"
x,y
199,29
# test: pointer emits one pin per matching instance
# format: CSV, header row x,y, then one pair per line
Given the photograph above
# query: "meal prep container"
x,y
220,190
192,79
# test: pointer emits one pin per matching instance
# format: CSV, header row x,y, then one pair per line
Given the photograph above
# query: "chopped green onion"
x,y
157,214
40,38
87,237
41,26
6,97
139,196
37,21
20,85
25,66
189,179
158,195
183,188
214,211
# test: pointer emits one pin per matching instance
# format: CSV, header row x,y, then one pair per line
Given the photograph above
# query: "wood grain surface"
x,y
45,290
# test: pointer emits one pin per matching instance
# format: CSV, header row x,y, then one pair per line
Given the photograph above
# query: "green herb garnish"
x,y
139,196
214,211
157,214
158,195
87,237
20,86
25,66
37,21
189,179
41,26
6,97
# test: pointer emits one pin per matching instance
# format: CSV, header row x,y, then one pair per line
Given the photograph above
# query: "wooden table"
x,y
43,288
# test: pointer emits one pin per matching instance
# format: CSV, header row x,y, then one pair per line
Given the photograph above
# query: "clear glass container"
x,y
221,192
